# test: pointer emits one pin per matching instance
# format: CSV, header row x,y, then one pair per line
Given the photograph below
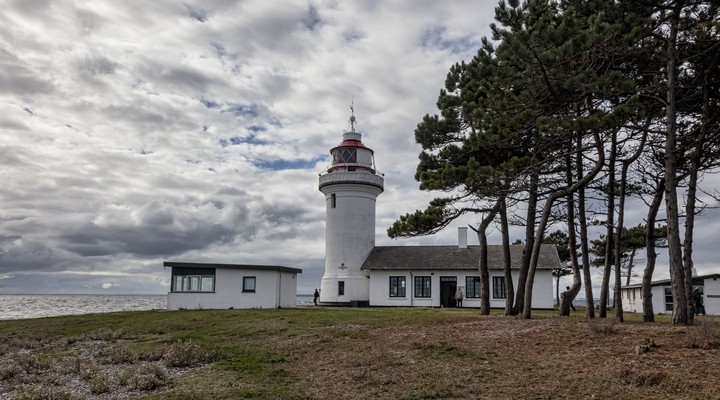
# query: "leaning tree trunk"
x,y
507,262
630,267
527,307
648,313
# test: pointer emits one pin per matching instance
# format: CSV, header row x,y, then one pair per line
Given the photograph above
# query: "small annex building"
x,y
428,276
709,286
223,286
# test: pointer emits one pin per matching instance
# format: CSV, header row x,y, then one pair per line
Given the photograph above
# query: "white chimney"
x,y
462,237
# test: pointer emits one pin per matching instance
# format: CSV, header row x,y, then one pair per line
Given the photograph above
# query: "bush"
x,y
148,377
602,326
706,334
186,354
116,354
100,383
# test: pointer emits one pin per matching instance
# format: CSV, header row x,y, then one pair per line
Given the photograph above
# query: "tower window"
x,y
341,288
345,156
333,201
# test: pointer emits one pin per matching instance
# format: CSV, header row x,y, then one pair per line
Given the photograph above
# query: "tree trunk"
x,y
677,273
584,247
507,262
484,272
621,221
630,265
648,313
529,243
569,296
610,226
527,307
691,201
617,251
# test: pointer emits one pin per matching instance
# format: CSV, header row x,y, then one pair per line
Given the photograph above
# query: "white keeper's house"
x,y
357,273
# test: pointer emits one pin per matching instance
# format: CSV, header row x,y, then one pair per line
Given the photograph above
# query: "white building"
x,y
661,290
359,274
222,286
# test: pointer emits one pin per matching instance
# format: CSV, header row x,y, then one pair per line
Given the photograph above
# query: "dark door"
x,y
448,285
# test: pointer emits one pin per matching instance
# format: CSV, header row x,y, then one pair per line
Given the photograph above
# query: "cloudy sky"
x,y
136,132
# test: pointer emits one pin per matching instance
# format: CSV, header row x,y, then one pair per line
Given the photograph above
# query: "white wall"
x,y
349,235
380,289
272,289
711,299
712,296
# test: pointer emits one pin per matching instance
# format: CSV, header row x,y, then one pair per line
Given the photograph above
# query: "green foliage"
x,y
633,239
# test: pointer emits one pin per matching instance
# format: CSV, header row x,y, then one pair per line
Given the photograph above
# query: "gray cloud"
x,y
133,133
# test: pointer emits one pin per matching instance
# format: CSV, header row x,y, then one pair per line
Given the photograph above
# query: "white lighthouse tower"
x,y
350,186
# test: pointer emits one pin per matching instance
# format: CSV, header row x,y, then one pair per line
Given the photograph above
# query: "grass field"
x,y
358,353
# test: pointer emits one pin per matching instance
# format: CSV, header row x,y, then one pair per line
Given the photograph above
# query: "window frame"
x,y
472,287
399,283
668,296
184,279
424,283
341,288
247,279
499,287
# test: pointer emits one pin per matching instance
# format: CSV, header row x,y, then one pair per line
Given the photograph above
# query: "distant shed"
x,y
661,290
222,286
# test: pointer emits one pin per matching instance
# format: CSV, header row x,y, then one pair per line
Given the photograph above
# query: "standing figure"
x,y
698,300
567,289
458,297
316,296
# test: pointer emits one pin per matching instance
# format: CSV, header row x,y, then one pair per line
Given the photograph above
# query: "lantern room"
x,y
352,155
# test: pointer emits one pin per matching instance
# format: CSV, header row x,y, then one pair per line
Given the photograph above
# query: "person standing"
x,y
567,289
315,296
698,300
458,297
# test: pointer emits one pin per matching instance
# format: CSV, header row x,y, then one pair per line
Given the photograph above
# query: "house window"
x,y
397,286
333,201
248,284
472,287
668,299
341,288
193,280
422,286
634,294
499,287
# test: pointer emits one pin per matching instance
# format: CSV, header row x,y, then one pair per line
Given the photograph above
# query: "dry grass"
x,y
358,354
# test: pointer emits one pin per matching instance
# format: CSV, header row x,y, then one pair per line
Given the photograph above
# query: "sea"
x,y
22,306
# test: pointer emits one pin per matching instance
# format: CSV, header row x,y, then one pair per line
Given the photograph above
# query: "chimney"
x,y
462,237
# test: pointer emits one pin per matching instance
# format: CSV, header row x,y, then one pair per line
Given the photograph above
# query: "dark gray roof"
x,y
452,258
232,266
696,280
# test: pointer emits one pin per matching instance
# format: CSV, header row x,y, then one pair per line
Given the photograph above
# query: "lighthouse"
x,y
350,185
